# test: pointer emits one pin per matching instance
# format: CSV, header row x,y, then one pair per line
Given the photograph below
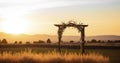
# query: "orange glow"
x,y
14,26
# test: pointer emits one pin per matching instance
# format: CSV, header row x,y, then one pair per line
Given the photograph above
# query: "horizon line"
x,y
56,34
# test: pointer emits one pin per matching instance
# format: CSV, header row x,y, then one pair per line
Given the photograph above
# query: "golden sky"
x,y
39,16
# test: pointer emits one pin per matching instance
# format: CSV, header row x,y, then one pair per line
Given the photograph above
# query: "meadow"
x,y
51,57
43,54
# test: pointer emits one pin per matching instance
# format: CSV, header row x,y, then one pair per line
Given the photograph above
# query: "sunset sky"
x,y
39,16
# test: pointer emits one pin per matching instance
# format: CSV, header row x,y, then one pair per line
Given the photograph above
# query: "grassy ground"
x,y
45,55
113,54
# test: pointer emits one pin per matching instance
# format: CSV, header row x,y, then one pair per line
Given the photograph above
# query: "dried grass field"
x,y
51,57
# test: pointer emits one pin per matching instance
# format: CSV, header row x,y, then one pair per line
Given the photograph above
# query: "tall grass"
x,y
52,57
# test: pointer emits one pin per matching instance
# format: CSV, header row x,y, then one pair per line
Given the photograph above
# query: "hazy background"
x,y
102,16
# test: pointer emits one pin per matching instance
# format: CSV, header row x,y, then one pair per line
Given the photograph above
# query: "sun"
x,y
14,26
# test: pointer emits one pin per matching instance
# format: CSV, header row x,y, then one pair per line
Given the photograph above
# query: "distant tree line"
x,y
4,41
41,41
95,41
18,42
103,41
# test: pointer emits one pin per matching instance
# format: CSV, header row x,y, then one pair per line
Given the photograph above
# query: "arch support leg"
x,y
83,41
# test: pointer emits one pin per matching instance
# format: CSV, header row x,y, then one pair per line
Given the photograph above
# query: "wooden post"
x,y
59,44
59,39
83,40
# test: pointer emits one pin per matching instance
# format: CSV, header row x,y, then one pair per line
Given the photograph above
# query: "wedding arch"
x,y
80,27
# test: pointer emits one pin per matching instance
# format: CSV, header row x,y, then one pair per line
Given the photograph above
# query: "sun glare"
x,y
14,26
